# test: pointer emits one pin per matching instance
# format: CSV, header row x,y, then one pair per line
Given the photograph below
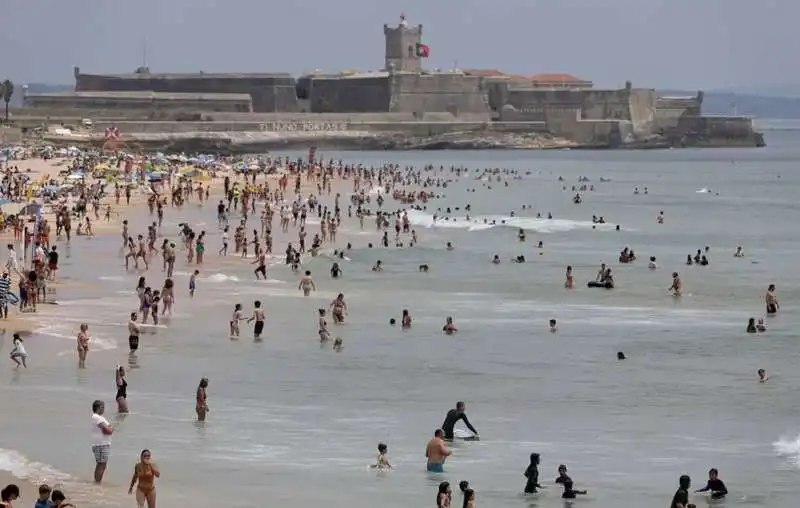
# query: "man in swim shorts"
x,y
453,416
436,452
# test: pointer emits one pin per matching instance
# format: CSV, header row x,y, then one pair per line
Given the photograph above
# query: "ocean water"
x,y
294,424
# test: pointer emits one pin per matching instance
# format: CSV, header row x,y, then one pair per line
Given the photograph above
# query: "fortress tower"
x,y
403,47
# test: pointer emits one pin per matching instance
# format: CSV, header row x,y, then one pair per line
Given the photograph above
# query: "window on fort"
x,y
411,51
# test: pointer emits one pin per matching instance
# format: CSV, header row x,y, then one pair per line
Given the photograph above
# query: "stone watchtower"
x,y
401,47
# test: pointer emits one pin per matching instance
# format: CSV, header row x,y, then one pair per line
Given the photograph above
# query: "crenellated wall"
x,y
269,92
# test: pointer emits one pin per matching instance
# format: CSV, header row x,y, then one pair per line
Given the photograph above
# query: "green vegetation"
x,y
6,92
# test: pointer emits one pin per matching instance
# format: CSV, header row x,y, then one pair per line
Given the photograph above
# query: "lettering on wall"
x,y
303,126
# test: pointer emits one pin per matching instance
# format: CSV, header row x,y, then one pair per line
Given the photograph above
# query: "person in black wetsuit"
x,y
532,474
681,497
566,482
715,485
453,416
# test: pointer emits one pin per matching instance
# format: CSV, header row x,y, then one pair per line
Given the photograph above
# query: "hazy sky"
x,y
655,43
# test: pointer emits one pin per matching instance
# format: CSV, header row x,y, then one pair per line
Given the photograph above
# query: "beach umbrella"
x,y
75,176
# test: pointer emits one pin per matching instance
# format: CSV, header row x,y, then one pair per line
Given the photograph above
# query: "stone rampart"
x,y
269,92
349,95
454,93
139,101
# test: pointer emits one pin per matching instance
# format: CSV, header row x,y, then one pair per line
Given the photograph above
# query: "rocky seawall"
x,y
242,142
258,142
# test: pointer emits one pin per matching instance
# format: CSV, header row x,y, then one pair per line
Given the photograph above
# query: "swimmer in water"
x,y
566,482
307,283
739,252
762,376
751,325
532,474
338,344
378,267
761,326
405,321
568,283
652,265
715,485
553,326
450,246
496,260
676,285
383,458
521,235
449,327
681,497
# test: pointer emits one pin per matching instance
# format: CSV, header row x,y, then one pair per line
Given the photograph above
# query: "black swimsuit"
x,y
122,390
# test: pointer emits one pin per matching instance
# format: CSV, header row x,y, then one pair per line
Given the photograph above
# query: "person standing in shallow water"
x,y
201,407
145,473
101,440
445,495
122,390
532,474
83,345
772,301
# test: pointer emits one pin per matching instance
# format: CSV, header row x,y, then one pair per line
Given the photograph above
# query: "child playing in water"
x,y
553,326
193,282
383,458
18,354
235,318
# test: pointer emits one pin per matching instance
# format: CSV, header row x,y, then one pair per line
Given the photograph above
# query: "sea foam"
x,y
788,447
482,222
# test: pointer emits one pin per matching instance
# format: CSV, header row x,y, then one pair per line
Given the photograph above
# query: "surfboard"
x,y
12,298
464,435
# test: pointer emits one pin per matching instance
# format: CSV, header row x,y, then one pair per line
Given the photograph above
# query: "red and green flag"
x,y
423,50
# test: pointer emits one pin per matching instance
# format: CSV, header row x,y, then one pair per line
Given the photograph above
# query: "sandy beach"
x,y
27,324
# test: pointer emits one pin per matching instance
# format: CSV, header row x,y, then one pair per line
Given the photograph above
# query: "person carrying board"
x,y
453,416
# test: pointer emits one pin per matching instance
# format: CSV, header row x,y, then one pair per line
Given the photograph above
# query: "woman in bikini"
x,y
338,309
145,473
201,407
307,283
83,345
168,296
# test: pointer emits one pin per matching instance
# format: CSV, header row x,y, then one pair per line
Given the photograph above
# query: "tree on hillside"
x,y
7,91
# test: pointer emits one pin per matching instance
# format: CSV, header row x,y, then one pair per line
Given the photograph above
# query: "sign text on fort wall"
x,y
303,126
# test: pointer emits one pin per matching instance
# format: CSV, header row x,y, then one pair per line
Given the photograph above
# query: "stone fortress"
x,y
403,97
